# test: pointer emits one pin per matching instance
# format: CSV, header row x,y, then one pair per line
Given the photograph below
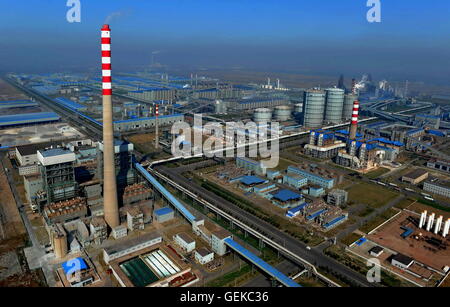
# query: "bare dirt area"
x,y
8,92
11,221
38,134
419,249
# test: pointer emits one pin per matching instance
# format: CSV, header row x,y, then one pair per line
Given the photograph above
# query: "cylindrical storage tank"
x,y
262,115
334,105
282,113
298,108
349,99
313,108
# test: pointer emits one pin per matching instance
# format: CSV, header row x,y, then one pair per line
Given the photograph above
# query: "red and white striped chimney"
x,y
110,201
354,124
106,60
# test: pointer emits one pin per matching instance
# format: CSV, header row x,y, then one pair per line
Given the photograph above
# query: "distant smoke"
x,y
116,15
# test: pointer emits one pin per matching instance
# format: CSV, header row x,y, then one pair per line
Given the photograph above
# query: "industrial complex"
x,y
156,177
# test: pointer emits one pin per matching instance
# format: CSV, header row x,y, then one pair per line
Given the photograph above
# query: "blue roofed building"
x,y
315,175
164,214
70,104
294,180
28,119
286,198
248,182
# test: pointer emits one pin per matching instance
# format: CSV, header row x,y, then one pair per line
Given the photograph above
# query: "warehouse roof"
x,y
185,237
31,149
18,119
251,180
415,174
162,211
376,249
287,195
403,259
147,118
70,103
203,251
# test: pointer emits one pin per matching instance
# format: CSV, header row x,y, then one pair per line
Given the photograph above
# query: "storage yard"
x,y
37,134
415,245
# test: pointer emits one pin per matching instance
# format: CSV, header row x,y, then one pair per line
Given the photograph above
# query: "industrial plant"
x,y
150,166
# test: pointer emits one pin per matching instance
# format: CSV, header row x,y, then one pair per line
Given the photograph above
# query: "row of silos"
x,y
279,114
331,105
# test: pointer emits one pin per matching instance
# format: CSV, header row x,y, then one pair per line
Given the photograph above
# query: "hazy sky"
x,y
306,36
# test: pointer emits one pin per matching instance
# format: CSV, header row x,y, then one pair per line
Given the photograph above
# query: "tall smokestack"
x,y
110,205
354,124
156,126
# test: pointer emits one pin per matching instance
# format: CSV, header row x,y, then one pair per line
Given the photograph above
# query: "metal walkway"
x,y
177,204
267,268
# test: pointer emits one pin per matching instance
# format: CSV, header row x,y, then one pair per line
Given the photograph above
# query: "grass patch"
x,y
433,204
377,173
372,224
370,194
405,203
349,239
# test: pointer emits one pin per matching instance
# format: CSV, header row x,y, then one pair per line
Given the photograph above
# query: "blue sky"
x,y
323,36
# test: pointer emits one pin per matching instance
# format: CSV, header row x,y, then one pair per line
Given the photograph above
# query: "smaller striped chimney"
x,y
354,124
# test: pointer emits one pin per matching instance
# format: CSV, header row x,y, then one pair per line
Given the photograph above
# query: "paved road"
x,y
36,256
315,257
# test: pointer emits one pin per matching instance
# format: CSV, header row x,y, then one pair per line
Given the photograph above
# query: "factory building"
x,y
123,157
146,122
416,176
401,261
131,246
218,241
17,104
152,94
313,108
437,186
204,255
70,104
64,211
186,243
98,229
442,165
315,174
256,167
58,176
323,145
255,103
135,218
28,119
286,198
337,197
334,105
32,185
294,180
164,215
427,120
